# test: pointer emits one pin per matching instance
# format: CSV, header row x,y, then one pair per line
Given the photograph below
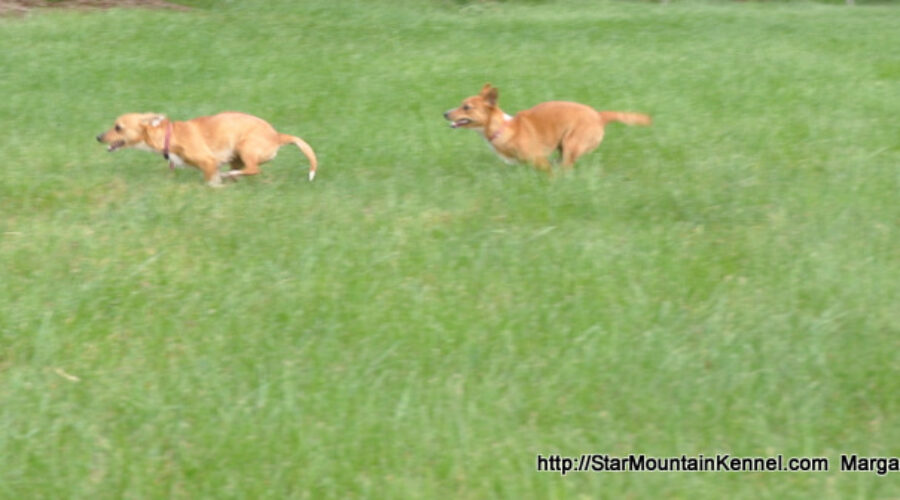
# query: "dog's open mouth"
x,y
460,123
115,145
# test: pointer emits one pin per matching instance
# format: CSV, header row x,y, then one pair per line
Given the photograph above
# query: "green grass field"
x,y
423,320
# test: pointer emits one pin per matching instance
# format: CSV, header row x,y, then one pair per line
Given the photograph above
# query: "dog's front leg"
x,y
211,174
542,163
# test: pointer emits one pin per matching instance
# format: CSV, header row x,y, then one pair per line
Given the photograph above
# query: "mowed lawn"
x,y
423,320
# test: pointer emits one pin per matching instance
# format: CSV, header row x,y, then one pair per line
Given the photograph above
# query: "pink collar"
x,y
166,142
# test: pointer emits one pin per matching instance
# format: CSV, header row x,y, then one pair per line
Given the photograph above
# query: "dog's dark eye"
x,y
466,107
118,128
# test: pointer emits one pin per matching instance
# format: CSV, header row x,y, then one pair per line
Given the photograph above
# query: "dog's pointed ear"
x,y
484,90
153,119
491,96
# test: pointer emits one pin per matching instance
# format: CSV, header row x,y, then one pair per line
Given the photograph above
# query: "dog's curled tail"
x,y
305,148
626,118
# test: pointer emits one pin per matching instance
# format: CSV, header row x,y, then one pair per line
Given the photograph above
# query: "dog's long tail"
x,y
626,118
305,148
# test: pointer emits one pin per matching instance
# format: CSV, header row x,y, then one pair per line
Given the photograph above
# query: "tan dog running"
x,y
207,142
534,134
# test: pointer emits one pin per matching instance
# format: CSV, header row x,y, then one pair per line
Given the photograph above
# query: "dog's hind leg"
x,y
236,165
250,163
578,143
250,168
250,155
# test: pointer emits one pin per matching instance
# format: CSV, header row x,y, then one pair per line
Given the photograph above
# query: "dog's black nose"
x,y
100,138
446,113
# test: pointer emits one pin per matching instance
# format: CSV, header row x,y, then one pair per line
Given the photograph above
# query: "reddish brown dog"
x,y
534,134
207,142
